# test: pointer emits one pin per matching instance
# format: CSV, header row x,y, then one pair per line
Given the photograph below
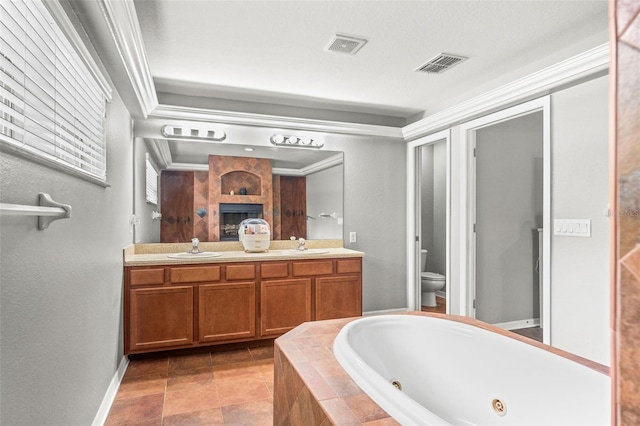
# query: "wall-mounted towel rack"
x,y
47,210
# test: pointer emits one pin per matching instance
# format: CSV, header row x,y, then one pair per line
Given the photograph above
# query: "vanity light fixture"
x,y
194,133
295,141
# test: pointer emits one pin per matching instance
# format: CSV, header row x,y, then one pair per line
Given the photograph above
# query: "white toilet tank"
x,y
423,260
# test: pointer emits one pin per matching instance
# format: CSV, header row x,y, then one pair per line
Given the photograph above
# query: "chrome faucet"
x,y
195,249
301,246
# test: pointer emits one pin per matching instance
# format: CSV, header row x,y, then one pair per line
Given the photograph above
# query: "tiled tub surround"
x,y
311,387
625,104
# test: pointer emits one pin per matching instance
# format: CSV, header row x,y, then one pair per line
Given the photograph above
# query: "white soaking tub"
x,y
458,371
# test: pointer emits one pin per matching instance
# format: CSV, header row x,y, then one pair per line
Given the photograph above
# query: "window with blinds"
x,y
51,105
152,182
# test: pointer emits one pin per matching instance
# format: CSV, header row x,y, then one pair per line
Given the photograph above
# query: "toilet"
x,y
429,281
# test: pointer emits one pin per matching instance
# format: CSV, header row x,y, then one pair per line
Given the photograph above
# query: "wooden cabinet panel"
x,y
195,274
274,270
176,199
293,206
284,304
160,317
302,269
349,266
146,276
338,297
241,272
226,311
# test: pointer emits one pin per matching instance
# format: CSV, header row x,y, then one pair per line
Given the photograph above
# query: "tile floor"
x,y
232,387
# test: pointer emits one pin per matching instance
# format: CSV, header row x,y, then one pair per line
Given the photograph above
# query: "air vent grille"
x,y
346,44
440,63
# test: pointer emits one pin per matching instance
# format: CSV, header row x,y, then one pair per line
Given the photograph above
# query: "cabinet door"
x,y
338,297
227,311
161,317
284,305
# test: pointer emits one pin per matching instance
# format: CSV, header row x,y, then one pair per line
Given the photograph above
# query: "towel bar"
x,y
47,210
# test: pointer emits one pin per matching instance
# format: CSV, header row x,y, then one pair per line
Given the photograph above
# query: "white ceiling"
x,y
270,57
273,52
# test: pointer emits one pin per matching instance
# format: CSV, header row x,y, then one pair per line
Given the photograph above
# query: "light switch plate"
x,y
352,237
572,227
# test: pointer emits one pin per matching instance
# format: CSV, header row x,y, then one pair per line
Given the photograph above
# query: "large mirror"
x,y
210,187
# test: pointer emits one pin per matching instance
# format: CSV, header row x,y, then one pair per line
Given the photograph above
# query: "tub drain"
x,y
499,407
397,384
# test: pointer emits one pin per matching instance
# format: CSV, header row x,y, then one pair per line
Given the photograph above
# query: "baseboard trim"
x,y
110,395
516,325
441,293
384,311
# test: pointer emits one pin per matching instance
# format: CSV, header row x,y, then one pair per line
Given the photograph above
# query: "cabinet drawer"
x,y
348,266
274,270
312,268
195,274
241,272
146,276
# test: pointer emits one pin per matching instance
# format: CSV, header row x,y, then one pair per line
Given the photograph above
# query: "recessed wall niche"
x,y
237,180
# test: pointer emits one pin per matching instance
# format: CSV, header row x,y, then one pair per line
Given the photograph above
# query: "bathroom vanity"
x,y
233,297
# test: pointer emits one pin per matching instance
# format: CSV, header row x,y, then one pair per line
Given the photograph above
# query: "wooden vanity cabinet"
x,y
227,310
160,317
340,296
181,306
285,304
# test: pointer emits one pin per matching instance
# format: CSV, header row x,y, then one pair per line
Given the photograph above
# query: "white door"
x,y
415,199
509,209
481,258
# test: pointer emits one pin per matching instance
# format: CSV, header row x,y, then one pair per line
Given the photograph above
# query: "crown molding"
x,y
174,112
188,167
122,21
311,168
70,31
538,84
160,152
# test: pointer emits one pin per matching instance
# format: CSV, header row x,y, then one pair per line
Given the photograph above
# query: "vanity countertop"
x,y
157,254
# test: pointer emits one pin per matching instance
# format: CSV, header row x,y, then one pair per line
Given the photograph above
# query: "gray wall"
x,y
508,212
580,266
61,292
375,208
324,195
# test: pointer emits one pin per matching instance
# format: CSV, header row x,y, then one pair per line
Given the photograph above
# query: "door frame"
x,y
413,216
468,213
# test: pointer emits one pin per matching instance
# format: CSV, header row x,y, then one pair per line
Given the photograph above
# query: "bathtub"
x,y
458,371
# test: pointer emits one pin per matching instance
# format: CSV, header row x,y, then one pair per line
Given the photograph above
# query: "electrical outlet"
x,y
352,237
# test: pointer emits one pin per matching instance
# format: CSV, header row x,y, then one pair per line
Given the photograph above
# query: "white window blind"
x,y
152,182
51,105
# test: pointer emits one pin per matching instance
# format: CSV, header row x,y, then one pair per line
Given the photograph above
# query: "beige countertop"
x,y
157,254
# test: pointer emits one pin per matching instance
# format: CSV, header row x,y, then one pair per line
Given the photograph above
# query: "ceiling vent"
x,y
346,44
440,63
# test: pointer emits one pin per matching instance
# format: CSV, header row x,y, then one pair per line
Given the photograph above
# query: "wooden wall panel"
x,y
176,204
293,207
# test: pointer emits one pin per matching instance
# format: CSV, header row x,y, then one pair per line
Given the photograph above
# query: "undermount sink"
x,y
188,255
306,251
